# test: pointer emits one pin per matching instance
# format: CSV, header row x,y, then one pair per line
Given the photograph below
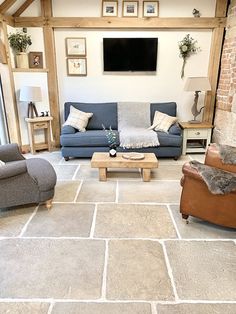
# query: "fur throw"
x,y
227,154
218,181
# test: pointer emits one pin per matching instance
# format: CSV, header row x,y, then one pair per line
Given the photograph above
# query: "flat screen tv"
x,y
130,54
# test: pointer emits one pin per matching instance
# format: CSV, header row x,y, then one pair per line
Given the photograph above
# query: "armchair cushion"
x,y
13,169
10,152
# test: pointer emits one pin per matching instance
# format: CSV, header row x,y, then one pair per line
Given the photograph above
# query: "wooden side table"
x,y
196,136
39,123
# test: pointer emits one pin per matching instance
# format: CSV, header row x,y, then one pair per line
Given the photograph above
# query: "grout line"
x,y
77,193
174,222
117,192
154,308
170,273
51,307
76,171
27,223
104,279
91,235
125,203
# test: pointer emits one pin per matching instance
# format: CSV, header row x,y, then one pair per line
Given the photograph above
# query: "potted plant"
x,y
20,42
112,140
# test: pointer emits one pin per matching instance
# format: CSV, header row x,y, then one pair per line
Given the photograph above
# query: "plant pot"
x,y
22,60
112,151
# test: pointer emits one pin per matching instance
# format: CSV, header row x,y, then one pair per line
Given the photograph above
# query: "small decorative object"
x,y
187,47
112,141
31,94
42,114
196,13
20,42
46,113
36,59
76,47
109,8
130,8
134,156
76,67
150,8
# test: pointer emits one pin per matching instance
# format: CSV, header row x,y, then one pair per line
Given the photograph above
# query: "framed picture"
x,y
130,8
76,47
36,59
76,66
150,8
109,8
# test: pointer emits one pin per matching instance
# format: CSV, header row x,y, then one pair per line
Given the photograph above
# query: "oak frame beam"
x,y
6,5
8,19
22,8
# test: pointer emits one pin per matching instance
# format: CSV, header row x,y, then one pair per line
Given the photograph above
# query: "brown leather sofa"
x,y
198,201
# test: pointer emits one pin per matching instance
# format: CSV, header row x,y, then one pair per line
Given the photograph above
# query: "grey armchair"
x,y
25,181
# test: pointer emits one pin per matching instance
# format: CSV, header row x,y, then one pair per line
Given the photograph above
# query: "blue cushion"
x,y
167,139
103,113
165,107
175,129
88,138
68,129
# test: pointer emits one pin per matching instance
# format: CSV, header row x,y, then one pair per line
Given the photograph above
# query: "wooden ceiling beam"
x,y
122,23
8,19
22,8
6,5
46,8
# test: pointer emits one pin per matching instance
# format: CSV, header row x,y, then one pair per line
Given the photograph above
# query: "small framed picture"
x,y
76,66
109,8
76,46
130,8
36,59
150,8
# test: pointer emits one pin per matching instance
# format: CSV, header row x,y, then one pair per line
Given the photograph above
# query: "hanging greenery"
x,y
19,41
187,47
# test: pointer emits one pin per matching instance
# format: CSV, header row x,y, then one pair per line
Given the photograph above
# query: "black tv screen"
x,y
130,54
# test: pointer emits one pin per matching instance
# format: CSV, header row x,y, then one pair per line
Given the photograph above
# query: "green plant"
x,y
110,135
187,47
19,41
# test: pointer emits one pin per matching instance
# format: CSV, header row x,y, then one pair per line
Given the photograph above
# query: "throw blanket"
x,y
133,122
227,154
217,180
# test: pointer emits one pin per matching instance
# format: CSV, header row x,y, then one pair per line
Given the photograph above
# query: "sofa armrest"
x,y
188,170
13,169
175,129
67,129
10,152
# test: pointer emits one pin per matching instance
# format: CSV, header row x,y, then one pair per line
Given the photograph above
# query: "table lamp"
x,y
31,94
196,84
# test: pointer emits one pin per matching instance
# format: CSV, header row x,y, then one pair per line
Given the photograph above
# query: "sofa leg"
x,y
184,216
66,158
49,204
176,158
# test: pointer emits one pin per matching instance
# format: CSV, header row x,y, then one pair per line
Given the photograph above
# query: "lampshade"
x,y
197,84
30,93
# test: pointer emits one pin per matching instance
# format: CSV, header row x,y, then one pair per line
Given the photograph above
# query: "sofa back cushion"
x,y
103,113
165,107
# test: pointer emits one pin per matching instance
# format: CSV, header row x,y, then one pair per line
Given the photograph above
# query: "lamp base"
x,y
31,110
194,121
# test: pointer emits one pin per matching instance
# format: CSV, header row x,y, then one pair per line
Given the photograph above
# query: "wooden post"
x,y
214,62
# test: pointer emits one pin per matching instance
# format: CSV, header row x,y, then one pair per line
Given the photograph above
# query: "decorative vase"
x,y
112,150
22,60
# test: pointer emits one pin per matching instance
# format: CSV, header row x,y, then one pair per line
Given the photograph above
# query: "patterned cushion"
x,y
162,122
78,119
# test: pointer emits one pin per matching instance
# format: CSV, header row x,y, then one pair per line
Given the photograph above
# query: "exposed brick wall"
x,y
225,118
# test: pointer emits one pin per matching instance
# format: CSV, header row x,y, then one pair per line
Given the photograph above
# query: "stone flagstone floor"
x,y
115,247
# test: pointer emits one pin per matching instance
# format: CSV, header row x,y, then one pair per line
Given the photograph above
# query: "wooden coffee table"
x,y
102,161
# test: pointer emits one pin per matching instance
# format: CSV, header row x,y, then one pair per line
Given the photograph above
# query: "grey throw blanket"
x,y
217,180
133,124
227,154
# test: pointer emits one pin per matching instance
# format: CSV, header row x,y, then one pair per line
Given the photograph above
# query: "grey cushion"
x,y
12,169
88,138
103,113
167,139
166,107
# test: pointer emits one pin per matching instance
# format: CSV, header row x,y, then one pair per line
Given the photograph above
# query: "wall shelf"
x,y
29,70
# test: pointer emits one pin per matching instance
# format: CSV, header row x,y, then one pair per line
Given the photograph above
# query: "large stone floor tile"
x,y
198,157
65,172
133,221
137,271
65,191
53,157
199,229
76,161
124,174
153,192
64,220
203,270
199,308
23,308
13,219
167,172
96,191
85,172
170,161
40,268
102,308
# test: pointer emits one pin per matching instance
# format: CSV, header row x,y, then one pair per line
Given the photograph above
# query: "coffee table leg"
x,y
146,174
102,174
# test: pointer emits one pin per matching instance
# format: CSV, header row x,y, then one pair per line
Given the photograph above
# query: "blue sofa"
x,y
84,144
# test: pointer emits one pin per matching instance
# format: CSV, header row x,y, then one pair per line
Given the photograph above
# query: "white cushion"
x,y
78,119
162,122
2,163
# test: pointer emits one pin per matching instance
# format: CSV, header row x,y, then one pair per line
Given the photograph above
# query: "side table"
x,y
196,136
39,123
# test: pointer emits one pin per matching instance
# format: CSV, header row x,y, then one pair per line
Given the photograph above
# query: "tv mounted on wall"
x,y
130,54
